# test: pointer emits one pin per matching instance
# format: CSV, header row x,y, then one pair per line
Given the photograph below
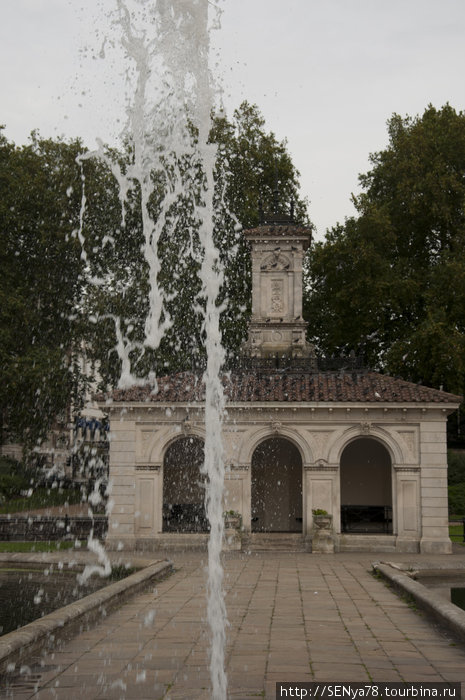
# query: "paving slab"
x,y
293,617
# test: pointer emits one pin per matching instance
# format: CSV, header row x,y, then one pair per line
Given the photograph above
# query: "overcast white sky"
x,y
326,74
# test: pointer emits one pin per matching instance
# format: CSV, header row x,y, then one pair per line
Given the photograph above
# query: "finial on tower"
x,y
276,191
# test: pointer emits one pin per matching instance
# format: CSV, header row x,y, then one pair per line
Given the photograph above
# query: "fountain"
x,y
171,167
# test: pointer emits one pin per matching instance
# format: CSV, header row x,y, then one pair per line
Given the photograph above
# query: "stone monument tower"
x,y
277,327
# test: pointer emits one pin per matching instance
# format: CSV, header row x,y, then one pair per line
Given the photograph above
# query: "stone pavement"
x,y
293,617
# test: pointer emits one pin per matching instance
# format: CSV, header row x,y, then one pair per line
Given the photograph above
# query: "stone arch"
x,y
366,486
279,431
161,444
183,486
276,486
366,430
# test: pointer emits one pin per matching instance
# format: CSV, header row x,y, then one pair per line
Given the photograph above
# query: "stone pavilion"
x,y
300,435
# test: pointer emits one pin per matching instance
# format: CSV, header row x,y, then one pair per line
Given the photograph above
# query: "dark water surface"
x,y
27,594
450,587
457,596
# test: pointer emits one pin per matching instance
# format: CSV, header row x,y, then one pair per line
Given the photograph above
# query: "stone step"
x,y
174,541
274,541
254,542
367,543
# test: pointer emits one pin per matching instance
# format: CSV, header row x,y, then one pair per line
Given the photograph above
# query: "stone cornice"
x,y
132,406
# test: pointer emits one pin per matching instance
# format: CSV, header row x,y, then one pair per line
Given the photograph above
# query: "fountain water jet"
x,y
169,124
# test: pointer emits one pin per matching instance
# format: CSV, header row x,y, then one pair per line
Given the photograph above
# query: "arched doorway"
x,y
366,487
276,487
183,487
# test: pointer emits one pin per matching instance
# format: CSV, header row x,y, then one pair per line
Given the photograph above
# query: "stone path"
x,y
293,617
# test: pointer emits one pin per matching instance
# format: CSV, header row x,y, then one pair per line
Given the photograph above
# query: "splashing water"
x,y
104,566
169,123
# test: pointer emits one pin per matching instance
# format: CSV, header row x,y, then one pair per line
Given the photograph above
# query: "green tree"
x,y
391,280
69,274
40,281
250,160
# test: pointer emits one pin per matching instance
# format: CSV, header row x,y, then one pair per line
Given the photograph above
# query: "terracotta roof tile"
x,y
245,387
278,229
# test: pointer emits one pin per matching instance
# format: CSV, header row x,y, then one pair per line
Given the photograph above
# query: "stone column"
x,y
237,492
406,508
321,484
434,503
123,484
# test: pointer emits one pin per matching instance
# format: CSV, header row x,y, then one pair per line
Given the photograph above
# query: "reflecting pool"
x,y
28,593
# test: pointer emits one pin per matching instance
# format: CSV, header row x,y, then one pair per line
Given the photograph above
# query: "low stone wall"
x,y
49,632
448,615
32,528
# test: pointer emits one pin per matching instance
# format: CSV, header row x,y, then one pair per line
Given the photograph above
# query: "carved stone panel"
x,y
277,296
275,262
319,442
409,438
144,438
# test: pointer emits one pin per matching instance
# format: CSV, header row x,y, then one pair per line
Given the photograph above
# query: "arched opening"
x,y
366,487
276,487
183,487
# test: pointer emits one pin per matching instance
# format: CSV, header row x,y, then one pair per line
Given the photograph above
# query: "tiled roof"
x,y
277,229
245,387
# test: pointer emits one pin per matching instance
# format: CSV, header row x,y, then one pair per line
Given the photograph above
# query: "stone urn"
x,y
232,530
323,535
323,522
232,520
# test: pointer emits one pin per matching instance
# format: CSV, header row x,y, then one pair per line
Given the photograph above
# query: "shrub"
x,y
457,500
455,468
14,478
